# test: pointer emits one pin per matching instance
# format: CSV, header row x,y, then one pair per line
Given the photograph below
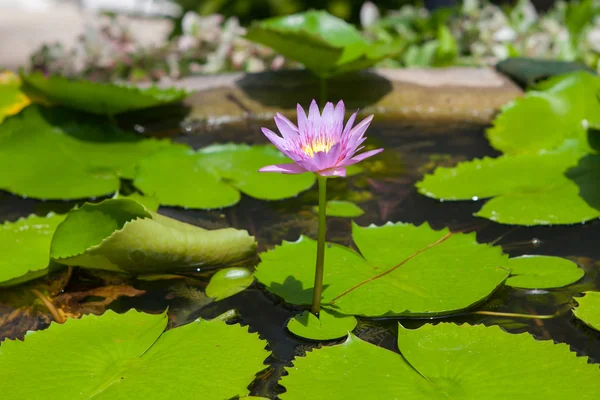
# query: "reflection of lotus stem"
x,y
318,287
55,314
513,315
323,91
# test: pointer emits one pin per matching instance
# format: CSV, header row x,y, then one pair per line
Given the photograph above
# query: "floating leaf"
x,y
589,309
122,235
341,208
53,153
25,248
406,270
552,188
99,98
130,356
328,326
325,44
214,176
229,281
150,203
444,361
542,272
12,99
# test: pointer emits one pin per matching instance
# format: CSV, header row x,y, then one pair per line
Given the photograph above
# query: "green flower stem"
x,y
318,287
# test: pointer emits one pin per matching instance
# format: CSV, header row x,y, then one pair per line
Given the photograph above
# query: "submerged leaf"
x,y
406,270
229,281
589,309
542,272
99,98
327,326
122,235
130,356
341,208
25,248
54,153
214,176
12,99
444,361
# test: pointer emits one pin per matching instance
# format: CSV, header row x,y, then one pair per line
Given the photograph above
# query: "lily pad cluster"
x,y
549,168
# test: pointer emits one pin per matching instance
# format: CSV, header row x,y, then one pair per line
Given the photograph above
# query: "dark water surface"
x,y
386,192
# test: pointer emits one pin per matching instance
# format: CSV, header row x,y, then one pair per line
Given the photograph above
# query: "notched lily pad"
x,y
444,361
328,325
122,235
117,356
404,270
25,248
589,309
99,98
229,281
542,272
12,99
214,176
341,208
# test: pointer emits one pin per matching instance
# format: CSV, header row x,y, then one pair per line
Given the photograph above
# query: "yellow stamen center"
x,y
319,144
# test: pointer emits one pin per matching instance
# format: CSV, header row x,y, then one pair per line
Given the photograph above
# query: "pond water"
x,y
386,193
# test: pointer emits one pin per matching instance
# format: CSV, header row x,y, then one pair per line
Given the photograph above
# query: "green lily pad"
x,y
12,99
25,248
589,309
404,270
130,356
229,281
122,235
542,272
553,188
214,176
99,98
54,153
444,361
325,44
341,208
327,326
149,202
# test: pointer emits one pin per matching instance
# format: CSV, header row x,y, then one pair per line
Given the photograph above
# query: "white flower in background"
x,y
369,14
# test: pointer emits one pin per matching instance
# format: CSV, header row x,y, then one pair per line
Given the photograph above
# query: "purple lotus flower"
x,y
320,143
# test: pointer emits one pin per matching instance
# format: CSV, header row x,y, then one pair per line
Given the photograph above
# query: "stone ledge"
x,y
444,94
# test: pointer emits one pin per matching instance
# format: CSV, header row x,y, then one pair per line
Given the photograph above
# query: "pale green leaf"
x,y
542,272
327,326
229,281
341,208
589,309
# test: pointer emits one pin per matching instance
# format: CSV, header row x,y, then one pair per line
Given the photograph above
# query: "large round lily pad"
x,y
444,361
129,356
404,270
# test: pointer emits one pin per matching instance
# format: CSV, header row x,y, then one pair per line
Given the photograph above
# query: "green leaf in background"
x,y
54,153
12,99
589,309
122,235
127,356
551,188
328,326
542,272
442,362
406,270
150,203
25,248
447,49
99,98
214,176
341,208
325,44
229,281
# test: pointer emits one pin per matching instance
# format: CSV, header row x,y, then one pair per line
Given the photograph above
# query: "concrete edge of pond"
x,y
456,94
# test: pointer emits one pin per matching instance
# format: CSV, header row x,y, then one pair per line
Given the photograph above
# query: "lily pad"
x,y
327,326
444,361
325,44
122,235
542,272
25,248
130,356
404,270
54,153
341,208
150,203
12,99
229,281
589,309
99,98
214,176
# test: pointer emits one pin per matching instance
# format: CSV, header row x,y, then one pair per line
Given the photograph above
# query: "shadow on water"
x,y
386,193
